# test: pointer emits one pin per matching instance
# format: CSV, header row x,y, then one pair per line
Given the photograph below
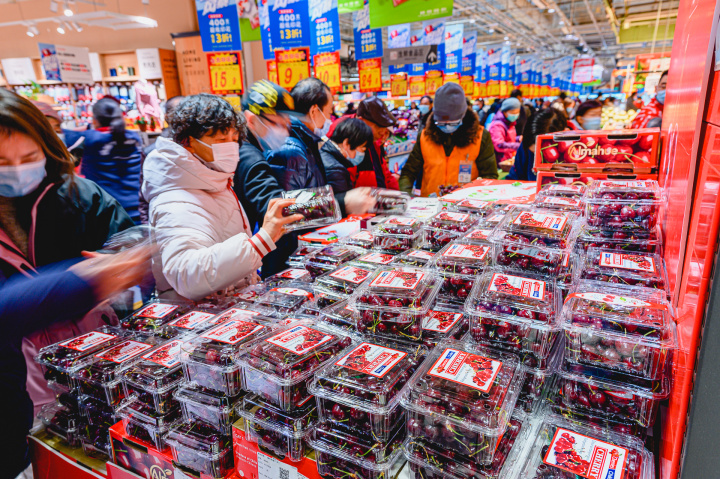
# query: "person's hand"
x,y
109,274
519,139
274,222
359,201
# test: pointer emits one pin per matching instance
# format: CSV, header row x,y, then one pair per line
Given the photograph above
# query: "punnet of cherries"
x,y
317,206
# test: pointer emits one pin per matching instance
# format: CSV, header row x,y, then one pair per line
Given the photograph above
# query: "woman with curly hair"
x,y
453,148
205,238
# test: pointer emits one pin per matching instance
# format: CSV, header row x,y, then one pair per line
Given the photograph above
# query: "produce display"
x,y
397,234
287,299
199,447
632,242
154,379
446,226
152,317
623,205
645,270
210,406
318,207
475,207
299,275
413,257
362,239
458,265
444,321
330,258
343,280
389,202
297,258
144,423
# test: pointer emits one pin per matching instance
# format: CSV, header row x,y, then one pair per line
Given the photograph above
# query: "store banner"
x,y
249,20
511,66
368,41
467,66
219,25
453,47
399,84
481,65
290,23
416,84
505,56
433,32
522,70
225,73
324,26
493,87
327,69
582,71
292,66
481,90
69,64
265,33
49,61
348,6
468,84
19,71
417,38
398,37
433,81
272,71
370,72
494,62
384,13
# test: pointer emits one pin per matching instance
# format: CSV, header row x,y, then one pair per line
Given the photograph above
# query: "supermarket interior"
x,y
359,239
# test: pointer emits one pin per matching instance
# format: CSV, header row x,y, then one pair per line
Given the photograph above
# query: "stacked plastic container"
x,y
447,226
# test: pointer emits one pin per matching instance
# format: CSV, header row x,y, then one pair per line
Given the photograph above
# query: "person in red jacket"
x,y
373,171
654,108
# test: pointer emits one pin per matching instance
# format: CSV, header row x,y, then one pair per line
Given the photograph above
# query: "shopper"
x,y
452,149
525,112
374,171
631,102
588,116
502,129
56,123
205,239
654,108
112,157
549,120
344,151
478,105
425,108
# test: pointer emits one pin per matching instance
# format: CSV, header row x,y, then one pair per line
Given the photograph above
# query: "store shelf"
x,y
122,79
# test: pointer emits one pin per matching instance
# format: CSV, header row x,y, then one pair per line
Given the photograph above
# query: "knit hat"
x,y
450,103
510,104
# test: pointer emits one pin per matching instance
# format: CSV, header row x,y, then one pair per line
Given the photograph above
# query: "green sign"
x,y
247,32
347,6
384,13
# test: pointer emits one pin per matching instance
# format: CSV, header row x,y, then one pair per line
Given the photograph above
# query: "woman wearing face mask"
x,y
654,109
425,109
344,151
502,129
452,149
588,116
205,238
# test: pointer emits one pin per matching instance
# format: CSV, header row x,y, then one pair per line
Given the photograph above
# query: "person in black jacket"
x,y
344,151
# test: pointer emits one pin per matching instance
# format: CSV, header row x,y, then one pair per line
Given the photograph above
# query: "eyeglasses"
x,y
448,123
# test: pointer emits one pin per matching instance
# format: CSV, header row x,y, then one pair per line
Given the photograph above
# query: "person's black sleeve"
x,y
256,184
413,166
486,162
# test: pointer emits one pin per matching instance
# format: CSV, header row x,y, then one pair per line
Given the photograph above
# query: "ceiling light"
x,y
30,33
146,21
472,20
76,26
551,10
492,30
626,24
68,11
561,22
61,30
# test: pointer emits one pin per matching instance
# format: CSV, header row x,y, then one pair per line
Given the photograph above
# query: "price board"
x,y
433,81
468,84
292,66
225,73
417,86
482,90
272,71
452,78
327,69
370,72
493,88
399,84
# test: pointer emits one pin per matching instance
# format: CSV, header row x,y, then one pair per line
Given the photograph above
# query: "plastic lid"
x,y
413,257
159,369
633,269
453,221
576,190
289,275
370,376
361,239
476,207
299,255
344,280
194,394
398,226
255,312
193,320
373,260
389,201
542,227
442,322
635,191
201,438
154,315
220,345
616,384
109,364
384,469
592,234
138,412
287,298
462,258
398,289
479,235
365,447
333,255
560,203
508,296
70,353
467,384
251,293
294,424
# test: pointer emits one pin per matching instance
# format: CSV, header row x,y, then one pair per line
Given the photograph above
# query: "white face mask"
x,y
322,132
226,156
17,181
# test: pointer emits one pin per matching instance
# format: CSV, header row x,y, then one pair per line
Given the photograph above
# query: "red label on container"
x,y
556,200
371,359
156,310
478,204
477,372
191,320
300,339
440,321
456,217
467,251
575,188
585,456
233,331
627,261
378,258
234,313
628,184
294,292
517,286
352,274
421,254
87,341
123,351
541,221
398,279
167,356
363,236
292,273
481,234
402,221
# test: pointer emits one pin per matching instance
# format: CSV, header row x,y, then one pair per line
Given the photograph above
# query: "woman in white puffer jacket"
x,y
206,245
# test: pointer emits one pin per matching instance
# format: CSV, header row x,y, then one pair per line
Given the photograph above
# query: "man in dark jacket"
x,y
346,149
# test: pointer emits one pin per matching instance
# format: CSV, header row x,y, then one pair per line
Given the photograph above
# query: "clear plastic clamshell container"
x,y
458,265
99,413
373,260
644,270
98,447
101,375
362,446
428,460
462,398
623,205
414,257
142,422
298,257
389,202
517,313
290,275
318,207
153,316
362,239
287,299
344,280
280,432
330,258
537,382
209,359
444,321
339,315
212,407
566,450
560,203
479,235
60,421
251,294
279,367
360,391
394,301
474,207
154,379
627,330
445,227
622,241
563,191
397,234
335,463
198,447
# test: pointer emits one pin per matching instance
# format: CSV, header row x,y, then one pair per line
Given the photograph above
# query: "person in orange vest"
x,y
453,148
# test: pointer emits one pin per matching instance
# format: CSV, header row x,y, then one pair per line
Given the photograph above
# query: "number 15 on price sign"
x,y
225,73
370,74
292,66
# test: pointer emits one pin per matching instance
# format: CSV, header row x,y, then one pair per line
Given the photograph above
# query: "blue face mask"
x,y
512,118
592,123
359,157
660,97
449,129
424,109
17,181
476,107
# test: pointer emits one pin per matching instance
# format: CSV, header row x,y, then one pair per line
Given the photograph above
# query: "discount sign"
x,y
417,86
399,84
225,73
292,66
327,69
370,74
433,81
272,71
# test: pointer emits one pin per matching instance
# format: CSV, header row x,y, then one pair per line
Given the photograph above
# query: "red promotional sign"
x,y
583,70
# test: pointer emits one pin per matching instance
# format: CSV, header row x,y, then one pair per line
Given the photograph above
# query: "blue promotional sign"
x,y
481,61
417,37
324,26
468,60
522,69
547,74
398,37
494,62
453,47
505,62
290,24
368,41
219,25
50,62
511,64
265,35
433,32
440,63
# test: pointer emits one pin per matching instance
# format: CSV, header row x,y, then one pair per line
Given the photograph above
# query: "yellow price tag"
x,y
370,75
399,84
225,72
327,69
272,71
468,85
292,66
433,81
417,86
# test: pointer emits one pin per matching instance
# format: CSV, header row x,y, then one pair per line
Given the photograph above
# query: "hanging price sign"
x,y
493,88
292,66
399,84
327,69
468,84
272,71
370,74
417,86
482,90
503,88
433,81
225,73
452,78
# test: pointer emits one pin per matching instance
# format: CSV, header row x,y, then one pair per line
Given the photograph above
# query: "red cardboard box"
x,y
631,151
51,459
140,458
585,178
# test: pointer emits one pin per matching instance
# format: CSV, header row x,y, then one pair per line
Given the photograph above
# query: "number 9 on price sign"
x,y
292,66
370,72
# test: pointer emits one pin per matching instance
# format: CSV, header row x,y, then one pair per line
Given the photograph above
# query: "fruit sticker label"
x,y
402,221
363,236
233,331
123,351
293,291
191,320
371,359
541,221
156,310
456,217
421,254
334,251
633,262
517,286
576,188
529,251
87,341
556,200
234,313
167,356
293,273
627,184
351,273
303,196
398,279
300,339
585,456
477,204
440,321
477,372
481,234
467,251
378,258
496,218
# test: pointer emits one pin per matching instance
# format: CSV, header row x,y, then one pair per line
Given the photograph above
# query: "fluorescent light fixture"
x,y
492,30
76,26
506,38
146,21
561,22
